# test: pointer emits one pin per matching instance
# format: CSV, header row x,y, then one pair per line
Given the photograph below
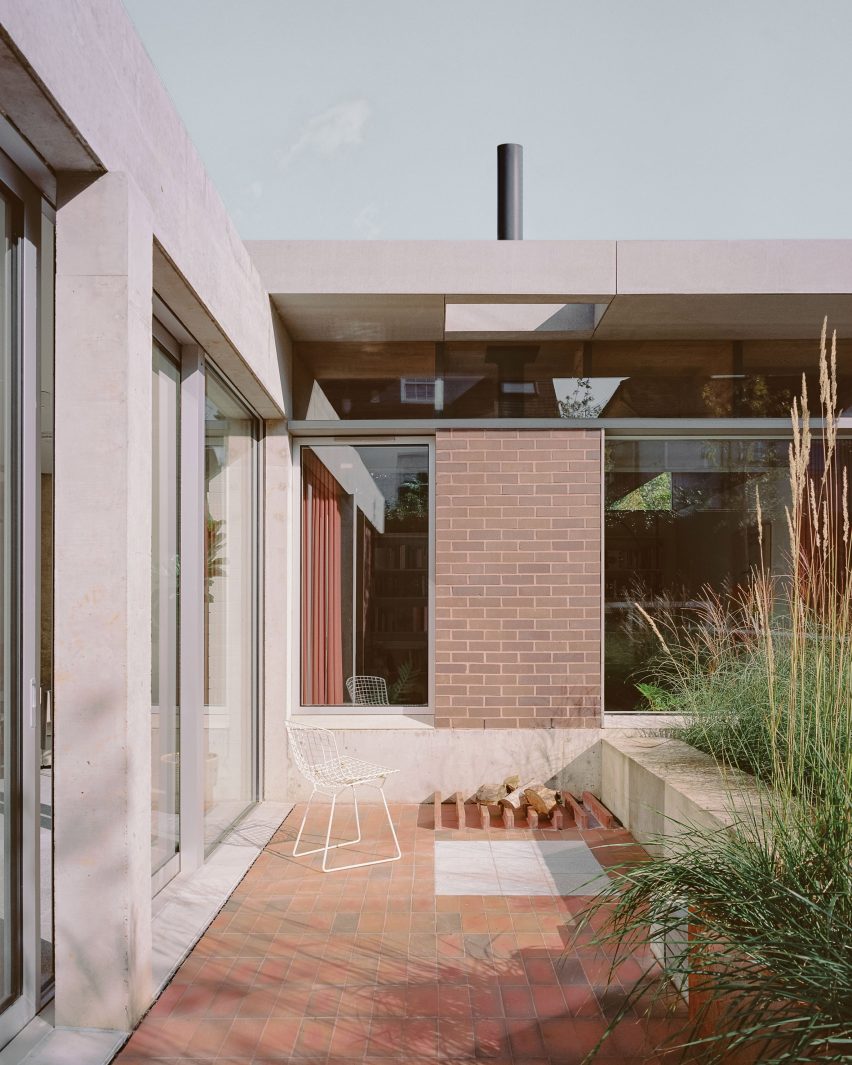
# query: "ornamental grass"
x,y
763,679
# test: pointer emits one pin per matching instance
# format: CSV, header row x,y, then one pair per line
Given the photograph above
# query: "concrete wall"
x,y
102,676
450,760
659,787
101,85
517,580
136,213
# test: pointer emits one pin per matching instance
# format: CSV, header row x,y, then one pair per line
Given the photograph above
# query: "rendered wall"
x,y
658,787
451,760
103,90
518,579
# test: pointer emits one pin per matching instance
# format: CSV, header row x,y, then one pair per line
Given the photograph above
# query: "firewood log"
x,y
490,793
540,798
512,783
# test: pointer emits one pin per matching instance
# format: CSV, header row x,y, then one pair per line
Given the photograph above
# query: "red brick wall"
x,y
518,583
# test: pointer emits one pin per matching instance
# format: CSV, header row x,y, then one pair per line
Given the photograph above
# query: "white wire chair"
x,y
318,759
368,691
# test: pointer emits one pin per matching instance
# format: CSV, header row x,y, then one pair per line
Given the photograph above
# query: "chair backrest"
x,y
368,691
313,748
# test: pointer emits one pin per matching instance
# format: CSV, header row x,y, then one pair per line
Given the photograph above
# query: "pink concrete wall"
x,y
518,577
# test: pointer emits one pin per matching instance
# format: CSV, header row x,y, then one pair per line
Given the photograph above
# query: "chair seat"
x,y
318,758
344,772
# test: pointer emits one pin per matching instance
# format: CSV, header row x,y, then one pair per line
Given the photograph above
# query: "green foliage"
x,y
581,402
411,508
654,494
660,700
764,681
769,958
214,559
400,690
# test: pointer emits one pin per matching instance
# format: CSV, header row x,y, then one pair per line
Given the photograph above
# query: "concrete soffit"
x,y
370,292
36,115
190,310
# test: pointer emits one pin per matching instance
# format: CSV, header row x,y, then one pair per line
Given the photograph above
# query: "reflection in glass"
x,y
681,517
10,928
365,381
46,275
230,631
165,612
365,575
568,378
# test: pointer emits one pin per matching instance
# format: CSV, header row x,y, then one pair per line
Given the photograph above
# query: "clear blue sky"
x,y
639,118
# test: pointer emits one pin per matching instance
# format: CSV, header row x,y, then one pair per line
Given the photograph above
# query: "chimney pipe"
x,y
510,192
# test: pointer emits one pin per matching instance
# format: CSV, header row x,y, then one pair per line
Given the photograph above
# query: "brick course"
x,y
518,584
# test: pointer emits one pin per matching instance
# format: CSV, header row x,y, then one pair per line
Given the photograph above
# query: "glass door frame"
x,y
25,795
167,344
170,334
256,664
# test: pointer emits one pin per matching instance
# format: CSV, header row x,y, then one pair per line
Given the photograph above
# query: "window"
x,y
681,518
557,378
366,575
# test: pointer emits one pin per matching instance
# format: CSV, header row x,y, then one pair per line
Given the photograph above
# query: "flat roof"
x,y
401,290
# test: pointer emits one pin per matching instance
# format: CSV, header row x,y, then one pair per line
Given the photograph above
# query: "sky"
x,y
640,119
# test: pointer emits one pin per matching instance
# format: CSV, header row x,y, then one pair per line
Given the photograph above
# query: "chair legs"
x,y
329,846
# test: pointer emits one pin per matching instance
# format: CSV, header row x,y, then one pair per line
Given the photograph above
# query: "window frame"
x,y
212,371
28,206
348,715
196,365
749,430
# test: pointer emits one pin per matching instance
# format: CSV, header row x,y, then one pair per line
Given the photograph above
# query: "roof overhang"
x,y
384,291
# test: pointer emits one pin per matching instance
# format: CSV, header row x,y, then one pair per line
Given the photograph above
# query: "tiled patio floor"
x,y
371,965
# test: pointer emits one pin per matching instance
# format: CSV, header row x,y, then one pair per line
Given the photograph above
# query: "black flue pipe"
x,y
510,192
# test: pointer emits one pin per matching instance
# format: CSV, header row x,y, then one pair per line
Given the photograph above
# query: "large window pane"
x,y
10,928
365,575
165,612
46,377
534,377
680,518
230,628
365,381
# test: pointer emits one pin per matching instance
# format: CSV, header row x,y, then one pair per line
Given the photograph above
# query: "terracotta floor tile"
x,y
279,1036
350,1038
517,1002
260,1001
420,1038
386,1036
525,1038
491,1038
369,966
422,1001
486,1002
208,1037
242,1038
314,1036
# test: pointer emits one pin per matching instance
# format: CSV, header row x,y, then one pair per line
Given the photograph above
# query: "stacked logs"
x,y
516,802
532,799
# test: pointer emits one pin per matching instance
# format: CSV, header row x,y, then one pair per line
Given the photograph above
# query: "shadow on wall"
x,y
460,760
91,856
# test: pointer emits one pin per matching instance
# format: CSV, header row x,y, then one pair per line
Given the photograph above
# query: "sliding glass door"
x,y
165,619
230,629
26,483
10,888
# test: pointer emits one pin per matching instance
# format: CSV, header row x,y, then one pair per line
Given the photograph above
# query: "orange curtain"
x,y
322,615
